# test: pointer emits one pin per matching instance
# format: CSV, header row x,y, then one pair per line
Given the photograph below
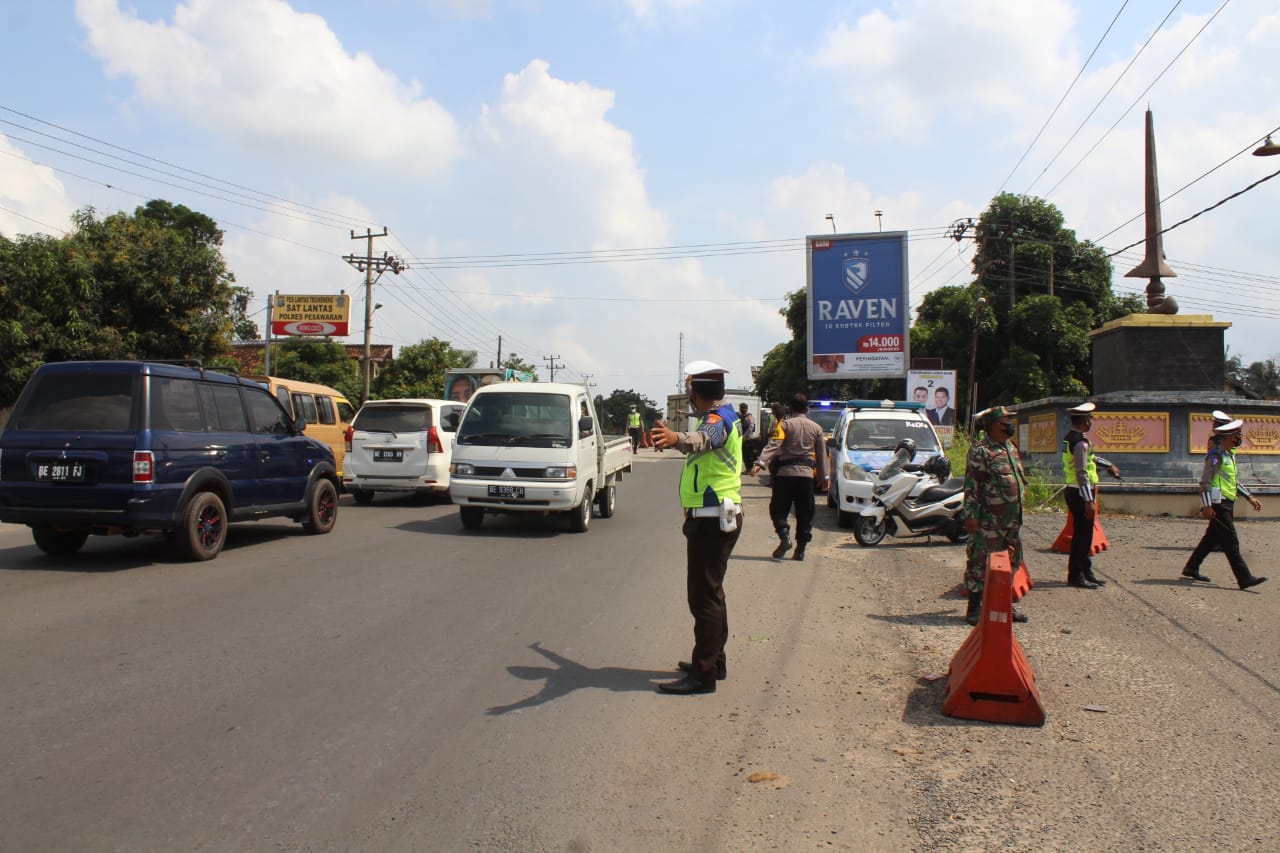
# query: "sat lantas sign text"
x,y
310,315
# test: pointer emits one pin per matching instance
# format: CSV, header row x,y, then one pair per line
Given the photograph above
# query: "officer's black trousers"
x,y
789,492
1221,532
707,550
1080,563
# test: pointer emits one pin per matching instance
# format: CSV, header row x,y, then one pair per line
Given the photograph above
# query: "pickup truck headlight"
x,y
462,469
561,472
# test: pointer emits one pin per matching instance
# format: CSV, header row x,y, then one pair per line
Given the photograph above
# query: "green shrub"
x,y
1044,490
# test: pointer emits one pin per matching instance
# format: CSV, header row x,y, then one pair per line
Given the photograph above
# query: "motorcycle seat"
x,y
953,486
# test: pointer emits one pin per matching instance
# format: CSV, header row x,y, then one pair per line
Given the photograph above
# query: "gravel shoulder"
x,y
1161,701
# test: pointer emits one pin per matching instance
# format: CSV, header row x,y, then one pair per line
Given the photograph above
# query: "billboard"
x,y
936,390
858,306
310,315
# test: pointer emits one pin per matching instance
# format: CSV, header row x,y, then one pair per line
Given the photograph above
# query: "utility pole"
x,y
499,364
369,265
680,367
552,367
266,343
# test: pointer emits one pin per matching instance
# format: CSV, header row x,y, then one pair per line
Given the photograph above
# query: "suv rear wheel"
x,y
322,508
204,528
364,497
58,543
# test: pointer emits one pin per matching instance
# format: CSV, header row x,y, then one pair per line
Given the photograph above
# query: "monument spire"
x,y
1153,266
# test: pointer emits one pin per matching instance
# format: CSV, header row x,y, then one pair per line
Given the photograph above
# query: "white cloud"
x,y
274,79
35,199
937,60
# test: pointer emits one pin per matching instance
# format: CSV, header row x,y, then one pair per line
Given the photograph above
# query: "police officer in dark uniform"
x,y
710,496
1080,468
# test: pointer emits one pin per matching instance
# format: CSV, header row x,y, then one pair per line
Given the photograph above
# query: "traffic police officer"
x,y
1080,468
1218,489
710,495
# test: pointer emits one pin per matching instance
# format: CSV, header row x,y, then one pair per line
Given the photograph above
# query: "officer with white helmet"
x,y
710,496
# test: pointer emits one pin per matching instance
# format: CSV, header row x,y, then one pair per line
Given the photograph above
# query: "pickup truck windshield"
x,y
530,420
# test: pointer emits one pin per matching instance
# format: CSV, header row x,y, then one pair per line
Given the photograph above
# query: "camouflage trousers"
x,y
982,545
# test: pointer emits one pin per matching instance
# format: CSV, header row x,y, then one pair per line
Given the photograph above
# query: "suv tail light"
x,y
144,470
346,436
433,441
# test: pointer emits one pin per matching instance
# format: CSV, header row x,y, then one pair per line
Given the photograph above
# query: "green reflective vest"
x,y
633,420
1069,464
715,474
1225,479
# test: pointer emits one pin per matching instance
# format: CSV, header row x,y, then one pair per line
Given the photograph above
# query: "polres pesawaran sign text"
x,y
292,314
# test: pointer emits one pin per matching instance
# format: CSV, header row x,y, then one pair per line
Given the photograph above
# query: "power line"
x,y
1141,95
1061,100
1104,97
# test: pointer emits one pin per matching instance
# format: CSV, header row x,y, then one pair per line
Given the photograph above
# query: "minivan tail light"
x,y
346,436
143,467
433,441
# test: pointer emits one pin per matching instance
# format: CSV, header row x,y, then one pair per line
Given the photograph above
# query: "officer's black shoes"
x,y
1195,576
1094,579
1019,616
1253,581
1082,583
688,686
783,547
722,669
799,554
974,612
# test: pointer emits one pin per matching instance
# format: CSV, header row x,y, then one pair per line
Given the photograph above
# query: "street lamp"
x,y
879,220
832,217
1267,149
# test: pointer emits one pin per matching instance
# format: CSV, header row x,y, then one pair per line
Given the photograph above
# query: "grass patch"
x,y
1044,490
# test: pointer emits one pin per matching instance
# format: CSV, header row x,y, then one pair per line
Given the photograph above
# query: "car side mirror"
x,y
300,424
586,426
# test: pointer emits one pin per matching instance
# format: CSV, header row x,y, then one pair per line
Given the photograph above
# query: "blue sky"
x,y
511,133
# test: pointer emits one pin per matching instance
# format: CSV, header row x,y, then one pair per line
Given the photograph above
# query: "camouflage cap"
x,y
987,417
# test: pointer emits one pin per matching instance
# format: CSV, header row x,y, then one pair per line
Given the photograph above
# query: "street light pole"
x,y
978,305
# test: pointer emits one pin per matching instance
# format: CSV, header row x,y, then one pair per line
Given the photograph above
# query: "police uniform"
x,y
634,429
994,486
711,476
793,462
1219,486
1080,470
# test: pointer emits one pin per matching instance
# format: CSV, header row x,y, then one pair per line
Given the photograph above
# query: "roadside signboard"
x,y
292,314
936,389
858,306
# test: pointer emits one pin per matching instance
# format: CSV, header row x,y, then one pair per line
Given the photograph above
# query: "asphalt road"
x,y
403,684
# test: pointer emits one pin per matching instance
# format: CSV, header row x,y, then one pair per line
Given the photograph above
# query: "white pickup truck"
x,y
535,447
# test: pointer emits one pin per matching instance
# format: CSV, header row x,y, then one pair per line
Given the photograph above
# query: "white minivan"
x,y
401,445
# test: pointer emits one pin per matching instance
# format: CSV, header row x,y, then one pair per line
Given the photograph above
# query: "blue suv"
x,y
134,447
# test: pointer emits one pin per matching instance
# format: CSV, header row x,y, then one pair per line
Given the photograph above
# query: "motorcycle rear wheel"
x,y
868,531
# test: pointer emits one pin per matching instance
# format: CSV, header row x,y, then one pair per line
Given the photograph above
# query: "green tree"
x,y
613,410
319,361
1043,291
1263,378
418,370
515,362
148,285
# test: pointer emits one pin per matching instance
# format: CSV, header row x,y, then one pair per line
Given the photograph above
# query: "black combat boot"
x,y
974,612
784,544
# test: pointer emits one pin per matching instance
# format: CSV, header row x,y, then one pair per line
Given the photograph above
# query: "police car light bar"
x,y
883,404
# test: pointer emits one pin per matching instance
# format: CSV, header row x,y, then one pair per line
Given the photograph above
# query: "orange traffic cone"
x,y
1022,582
1063,543
990,677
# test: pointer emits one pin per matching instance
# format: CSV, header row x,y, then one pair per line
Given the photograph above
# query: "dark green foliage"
x,y
319,361
418,370
148,285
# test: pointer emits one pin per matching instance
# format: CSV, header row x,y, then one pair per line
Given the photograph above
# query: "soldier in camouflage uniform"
x,y
994,484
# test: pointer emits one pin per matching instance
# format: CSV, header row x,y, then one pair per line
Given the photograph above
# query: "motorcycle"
x,y
914,500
